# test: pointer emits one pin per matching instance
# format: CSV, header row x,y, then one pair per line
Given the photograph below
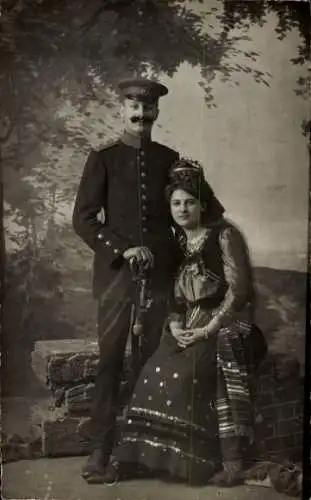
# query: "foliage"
x,y
290,15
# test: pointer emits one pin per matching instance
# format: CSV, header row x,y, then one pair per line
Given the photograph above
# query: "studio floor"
x,y
59,479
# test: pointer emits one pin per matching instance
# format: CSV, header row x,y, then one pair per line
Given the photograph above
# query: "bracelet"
x,y
206,332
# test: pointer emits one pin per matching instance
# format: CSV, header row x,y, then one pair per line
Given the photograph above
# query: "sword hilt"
x,y
137,329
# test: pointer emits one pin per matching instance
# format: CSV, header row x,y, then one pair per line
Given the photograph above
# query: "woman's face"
x,y
185,209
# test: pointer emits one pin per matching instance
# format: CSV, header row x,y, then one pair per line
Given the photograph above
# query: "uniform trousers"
x,y
114,313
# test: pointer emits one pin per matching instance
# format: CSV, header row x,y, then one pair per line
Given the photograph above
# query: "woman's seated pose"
x,y
190,417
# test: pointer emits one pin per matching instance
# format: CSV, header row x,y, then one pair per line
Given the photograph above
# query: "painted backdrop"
x,y
237,76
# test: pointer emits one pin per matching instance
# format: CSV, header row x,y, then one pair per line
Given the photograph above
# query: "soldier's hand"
x,y
141,255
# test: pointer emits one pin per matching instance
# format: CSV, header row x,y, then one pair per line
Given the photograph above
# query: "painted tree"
x,y
60,64
50,102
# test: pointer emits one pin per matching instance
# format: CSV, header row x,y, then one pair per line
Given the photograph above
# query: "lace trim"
x,y
164,447
164,416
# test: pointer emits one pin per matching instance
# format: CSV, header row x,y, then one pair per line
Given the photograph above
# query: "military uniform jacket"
x,y
126,179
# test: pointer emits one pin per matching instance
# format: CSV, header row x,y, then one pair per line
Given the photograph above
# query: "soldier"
x,y
126,179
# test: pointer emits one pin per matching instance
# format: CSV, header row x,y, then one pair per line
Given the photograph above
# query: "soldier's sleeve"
x,y
90,200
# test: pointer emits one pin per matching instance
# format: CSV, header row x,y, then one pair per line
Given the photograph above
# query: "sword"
x,y
139,309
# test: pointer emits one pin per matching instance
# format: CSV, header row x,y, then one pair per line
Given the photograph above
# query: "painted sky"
x,y
251,146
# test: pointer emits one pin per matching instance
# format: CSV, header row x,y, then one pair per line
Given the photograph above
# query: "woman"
x,y
190,415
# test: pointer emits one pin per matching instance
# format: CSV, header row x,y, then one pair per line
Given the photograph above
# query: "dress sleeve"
x,y
176,307
238,275
90,200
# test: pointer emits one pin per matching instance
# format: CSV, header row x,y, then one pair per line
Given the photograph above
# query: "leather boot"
x,y
94,468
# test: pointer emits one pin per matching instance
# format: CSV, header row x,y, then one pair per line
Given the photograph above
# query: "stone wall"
x,y
280,402
70,369
60,426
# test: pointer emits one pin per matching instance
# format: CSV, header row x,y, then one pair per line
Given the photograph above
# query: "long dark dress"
x,y
191,408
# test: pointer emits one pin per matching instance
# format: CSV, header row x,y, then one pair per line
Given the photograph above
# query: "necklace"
x,y
195,243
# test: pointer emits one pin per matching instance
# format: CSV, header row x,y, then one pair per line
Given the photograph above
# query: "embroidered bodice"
x,y
216,276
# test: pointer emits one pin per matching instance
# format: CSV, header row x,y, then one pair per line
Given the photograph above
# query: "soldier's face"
x,y
139,116
186,210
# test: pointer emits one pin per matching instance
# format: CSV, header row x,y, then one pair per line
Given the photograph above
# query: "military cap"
x,y
142,89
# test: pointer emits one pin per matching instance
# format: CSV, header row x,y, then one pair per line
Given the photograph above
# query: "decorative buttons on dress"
x,y
108,243
149,398
161,384
129,421
100,236
229,364
168,403
175,375
115,250
145,381
158,369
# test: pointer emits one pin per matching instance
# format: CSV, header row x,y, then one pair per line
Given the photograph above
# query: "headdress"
x,y
188,175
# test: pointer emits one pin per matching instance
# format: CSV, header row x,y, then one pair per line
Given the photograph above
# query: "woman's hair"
x,y
188,175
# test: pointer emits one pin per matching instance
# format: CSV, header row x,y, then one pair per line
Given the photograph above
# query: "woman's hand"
x,y
187,337
176,329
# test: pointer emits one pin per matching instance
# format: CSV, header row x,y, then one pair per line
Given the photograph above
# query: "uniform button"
x,y
144,218
142,174
143,197
142,163
144,229
116,251
143,186
142,152
144,208
108,243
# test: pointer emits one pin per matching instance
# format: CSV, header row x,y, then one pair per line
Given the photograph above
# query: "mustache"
x,y
146,119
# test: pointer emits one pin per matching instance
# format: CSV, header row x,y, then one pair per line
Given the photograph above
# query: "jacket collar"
x,y
135,141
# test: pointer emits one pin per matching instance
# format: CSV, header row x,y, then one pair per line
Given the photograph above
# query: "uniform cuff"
x,y
107,243
114,247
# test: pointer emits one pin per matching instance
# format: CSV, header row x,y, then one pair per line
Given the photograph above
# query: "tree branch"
x,y
6,136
